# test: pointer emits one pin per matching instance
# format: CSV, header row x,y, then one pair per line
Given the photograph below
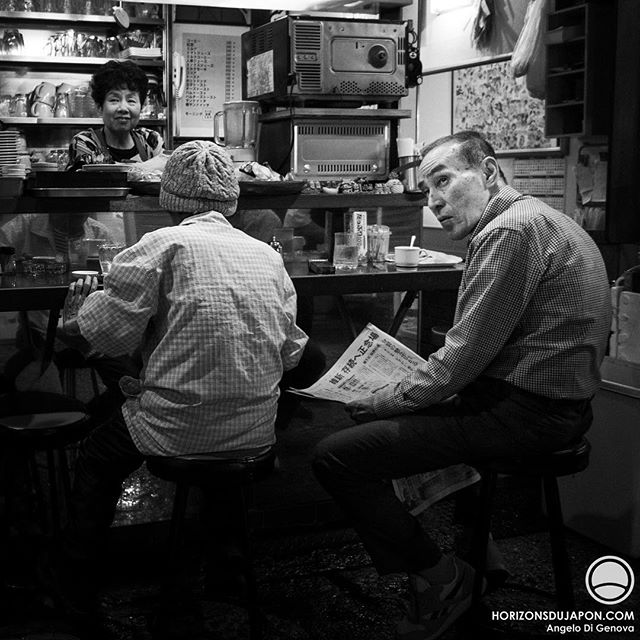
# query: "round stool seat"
x,y
571,459
206,468
37,421
42,419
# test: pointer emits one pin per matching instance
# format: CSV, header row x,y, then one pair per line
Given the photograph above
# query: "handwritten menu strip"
x,y
213,70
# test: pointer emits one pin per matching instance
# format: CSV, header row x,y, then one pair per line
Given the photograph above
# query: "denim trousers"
x,y
107,456
488,419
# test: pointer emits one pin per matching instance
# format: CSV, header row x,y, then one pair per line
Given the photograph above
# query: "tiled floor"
x,y
315,580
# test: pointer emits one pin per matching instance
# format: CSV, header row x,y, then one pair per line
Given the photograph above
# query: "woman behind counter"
x,y
119,90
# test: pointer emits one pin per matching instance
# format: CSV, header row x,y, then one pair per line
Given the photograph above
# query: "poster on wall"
x,y
489,99
207,73
447,40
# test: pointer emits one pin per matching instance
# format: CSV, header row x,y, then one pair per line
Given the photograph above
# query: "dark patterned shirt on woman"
x,y
90,147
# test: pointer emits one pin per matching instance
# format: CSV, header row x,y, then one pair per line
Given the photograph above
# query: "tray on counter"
x,y
145,187
76,179
271,187
79,192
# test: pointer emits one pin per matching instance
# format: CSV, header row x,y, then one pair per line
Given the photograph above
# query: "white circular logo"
x,y
609,580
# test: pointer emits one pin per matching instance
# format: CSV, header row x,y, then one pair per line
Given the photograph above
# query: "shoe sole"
x,y
418,632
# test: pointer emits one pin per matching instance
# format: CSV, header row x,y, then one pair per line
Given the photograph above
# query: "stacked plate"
x,y
13,171
114,168
44,166
8,147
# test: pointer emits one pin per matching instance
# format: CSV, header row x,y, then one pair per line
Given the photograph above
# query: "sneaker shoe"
x,y
434,608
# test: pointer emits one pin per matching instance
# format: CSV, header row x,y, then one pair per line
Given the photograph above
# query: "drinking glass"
x,y
345,251
106,254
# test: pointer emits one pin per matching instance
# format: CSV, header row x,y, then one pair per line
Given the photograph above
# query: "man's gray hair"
x,y
474,147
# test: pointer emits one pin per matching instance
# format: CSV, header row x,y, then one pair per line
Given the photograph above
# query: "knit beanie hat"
x,y
199,177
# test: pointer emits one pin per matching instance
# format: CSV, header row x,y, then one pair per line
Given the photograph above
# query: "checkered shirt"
x,y
214,313
533,309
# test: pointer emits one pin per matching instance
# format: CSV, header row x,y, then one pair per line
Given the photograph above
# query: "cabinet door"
x,y
579,44
623,198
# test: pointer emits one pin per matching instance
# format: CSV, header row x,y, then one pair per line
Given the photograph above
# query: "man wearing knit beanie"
x,y
199,177
213,312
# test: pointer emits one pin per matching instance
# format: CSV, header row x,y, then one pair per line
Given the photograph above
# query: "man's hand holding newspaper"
x,y
373,361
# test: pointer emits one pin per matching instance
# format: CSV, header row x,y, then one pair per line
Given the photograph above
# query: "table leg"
x,y
346,316
52,326
405,305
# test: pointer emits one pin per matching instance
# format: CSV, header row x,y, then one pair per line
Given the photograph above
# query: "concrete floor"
x,y
315,580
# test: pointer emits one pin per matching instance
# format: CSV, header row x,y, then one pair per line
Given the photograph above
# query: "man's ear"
x,y
491,171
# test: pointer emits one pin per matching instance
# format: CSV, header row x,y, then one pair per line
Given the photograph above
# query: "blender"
x,y
239,120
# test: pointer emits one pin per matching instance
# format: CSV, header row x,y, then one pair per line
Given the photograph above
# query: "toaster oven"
x,y
329,144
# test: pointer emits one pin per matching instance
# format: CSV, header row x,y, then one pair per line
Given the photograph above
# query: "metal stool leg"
x,y
255,627
65,478
177,524
559,555
481,537
36,488
53,491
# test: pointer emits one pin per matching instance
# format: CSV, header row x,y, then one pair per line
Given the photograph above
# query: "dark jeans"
x,y
108,456
488,419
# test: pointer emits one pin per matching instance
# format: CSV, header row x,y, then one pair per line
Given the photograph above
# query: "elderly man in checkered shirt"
x,y
213,312
519,367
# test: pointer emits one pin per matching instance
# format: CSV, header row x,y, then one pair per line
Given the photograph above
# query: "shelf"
x,y
71,122
327,201
566,10
568,103
42,18
70,61
565,72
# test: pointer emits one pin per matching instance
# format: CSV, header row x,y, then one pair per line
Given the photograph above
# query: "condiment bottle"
x,y
276,245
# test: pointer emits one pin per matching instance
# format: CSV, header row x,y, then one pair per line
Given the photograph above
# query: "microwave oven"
x,y
303,60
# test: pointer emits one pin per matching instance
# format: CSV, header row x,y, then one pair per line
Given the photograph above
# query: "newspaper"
x,y
373,361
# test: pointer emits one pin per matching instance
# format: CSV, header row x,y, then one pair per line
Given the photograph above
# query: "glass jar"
x,y
18,106
152,106
7,261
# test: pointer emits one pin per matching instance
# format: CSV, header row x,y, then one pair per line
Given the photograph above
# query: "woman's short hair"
x,y
118,75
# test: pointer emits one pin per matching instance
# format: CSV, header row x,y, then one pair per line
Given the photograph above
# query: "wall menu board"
x,y
489,99
207,73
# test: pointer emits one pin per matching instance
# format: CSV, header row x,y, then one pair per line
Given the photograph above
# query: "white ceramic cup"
x,y
408,256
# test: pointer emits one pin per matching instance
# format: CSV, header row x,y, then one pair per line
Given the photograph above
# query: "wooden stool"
x,y
233,473
33,421
572,459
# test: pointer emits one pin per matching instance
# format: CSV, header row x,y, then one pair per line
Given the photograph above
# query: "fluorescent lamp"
x,y
267,5
442,6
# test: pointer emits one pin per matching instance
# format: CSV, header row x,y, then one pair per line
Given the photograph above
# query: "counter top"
x,y
32,204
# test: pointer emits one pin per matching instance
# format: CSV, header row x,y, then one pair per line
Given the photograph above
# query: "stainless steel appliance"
x,y
329,144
